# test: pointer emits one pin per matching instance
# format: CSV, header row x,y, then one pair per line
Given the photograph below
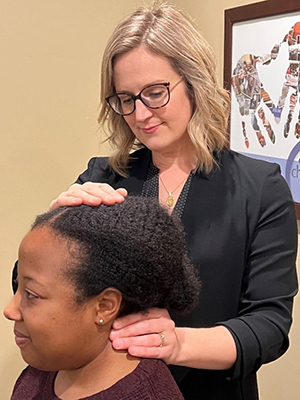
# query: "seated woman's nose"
x,y
12,310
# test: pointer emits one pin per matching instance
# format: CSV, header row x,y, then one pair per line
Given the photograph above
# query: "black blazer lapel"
x,y
137,168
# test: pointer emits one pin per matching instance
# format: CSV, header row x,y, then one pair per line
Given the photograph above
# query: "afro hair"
x,y
134,246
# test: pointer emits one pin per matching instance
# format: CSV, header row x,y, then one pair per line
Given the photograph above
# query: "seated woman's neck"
x,y
101,373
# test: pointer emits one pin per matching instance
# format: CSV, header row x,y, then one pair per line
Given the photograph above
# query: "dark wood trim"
x,y
297,208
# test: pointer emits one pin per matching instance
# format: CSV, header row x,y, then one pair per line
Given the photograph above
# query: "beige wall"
x,y
50,53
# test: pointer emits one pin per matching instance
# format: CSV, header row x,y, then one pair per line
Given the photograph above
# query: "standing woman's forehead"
x,y
139,68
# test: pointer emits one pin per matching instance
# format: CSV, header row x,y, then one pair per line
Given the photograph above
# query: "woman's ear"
x,y
108,306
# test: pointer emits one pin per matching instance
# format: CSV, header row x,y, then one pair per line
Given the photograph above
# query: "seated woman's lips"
x,y
20,339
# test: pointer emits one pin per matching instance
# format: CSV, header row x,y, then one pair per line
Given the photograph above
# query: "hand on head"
x,y
90,194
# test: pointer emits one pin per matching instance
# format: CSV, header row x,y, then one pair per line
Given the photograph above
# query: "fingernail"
x,y
118,344
132,352
116,324
114,334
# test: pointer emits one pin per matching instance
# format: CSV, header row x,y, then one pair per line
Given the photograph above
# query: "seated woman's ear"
x,y
108,304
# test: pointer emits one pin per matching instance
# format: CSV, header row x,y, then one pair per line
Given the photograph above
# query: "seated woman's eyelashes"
x,y
29,295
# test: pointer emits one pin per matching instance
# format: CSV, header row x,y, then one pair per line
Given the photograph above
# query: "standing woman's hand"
x,y
150,334
153,334
91,194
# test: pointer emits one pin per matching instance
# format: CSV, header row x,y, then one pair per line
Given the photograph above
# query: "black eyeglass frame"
x,y
139,97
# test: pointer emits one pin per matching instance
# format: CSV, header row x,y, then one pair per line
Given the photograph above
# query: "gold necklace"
x,y
170,199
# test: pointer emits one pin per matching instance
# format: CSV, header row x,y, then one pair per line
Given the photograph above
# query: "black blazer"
x,y
242,236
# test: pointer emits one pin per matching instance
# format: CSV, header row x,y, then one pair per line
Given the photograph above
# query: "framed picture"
x,y
261,70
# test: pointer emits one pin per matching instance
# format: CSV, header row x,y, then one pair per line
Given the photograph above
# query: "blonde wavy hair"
x,y
167,31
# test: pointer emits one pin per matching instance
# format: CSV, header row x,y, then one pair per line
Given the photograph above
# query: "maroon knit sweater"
x,y
151,380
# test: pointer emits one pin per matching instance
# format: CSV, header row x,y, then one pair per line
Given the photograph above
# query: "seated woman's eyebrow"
x,y
33,280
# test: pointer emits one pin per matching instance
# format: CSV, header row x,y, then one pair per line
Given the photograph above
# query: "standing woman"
x,y
160,97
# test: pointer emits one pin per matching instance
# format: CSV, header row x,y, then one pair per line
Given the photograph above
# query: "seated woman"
x,y
79,269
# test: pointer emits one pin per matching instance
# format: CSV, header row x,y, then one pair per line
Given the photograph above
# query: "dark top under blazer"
x,y
242,236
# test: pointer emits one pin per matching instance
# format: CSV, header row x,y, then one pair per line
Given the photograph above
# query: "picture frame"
x,y
262,73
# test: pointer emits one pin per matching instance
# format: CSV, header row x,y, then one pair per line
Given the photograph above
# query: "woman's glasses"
x,y
153,96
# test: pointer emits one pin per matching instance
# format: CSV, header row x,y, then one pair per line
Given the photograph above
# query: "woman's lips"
x,y
151,129
20,339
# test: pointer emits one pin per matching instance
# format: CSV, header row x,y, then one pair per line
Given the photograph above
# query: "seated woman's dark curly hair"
x,y
134,246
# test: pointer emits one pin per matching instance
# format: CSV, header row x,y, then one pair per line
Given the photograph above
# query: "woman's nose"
x,y
12,310
142,112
